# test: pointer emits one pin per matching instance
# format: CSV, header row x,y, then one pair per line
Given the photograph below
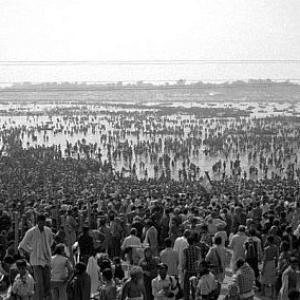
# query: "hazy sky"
x,y
148,30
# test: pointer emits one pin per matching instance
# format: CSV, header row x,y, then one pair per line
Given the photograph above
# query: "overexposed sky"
x,y
149,29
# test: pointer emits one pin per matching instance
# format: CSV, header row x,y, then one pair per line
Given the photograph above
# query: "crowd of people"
x,y
73,227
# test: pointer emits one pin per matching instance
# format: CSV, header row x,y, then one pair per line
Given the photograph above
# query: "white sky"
x,y
149,30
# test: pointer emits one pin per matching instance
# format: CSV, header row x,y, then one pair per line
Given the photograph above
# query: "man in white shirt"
x,y
37,242
180,244
164,287
170,258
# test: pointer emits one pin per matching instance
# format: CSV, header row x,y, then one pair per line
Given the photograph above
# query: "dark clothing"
x,y
5,221
42,277
253,263
86,245
187,286
80,287
139,227
149,265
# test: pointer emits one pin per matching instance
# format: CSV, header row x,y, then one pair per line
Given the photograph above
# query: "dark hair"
x,y
117,260
107,274
191,240
21,263
8,259
294,295
149,222
104,264
168,242
187,233
204,227
133,231
204,268
102,222
285,238
80,267
270,239
252,232
85,229
240,262
285,246
40,217
242,228
293,260
59,249
218,240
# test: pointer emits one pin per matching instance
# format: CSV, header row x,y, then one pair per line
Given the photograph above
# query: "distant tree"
x,y
181,82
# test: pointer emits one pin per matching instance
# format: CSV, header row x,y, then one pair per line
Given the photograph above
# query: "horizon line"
x,y
147,62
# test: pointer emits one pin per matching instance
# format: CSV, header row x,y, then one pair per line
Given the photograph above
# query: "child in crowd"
x,y
23,285
233,292
119,272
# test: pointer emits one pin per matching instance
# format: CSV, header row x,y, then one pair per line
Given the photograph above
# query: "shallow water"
x,y
202,161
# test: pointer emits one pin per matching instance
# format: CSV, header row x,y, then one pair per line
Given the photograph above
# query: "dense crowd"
x,y
74,228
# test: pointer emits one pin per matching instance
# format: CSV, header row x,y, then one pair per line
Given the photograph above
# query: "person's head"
x,y
285,246
102,222
162,270
191,240
274,230
294,295
204,268
187,233
252,232
218,240
22,266
104,263
85,230
41,220
148,253
111,217
168,243
242,229
136,274
133,231
117,261
59,249
293,262
204,228
233,290
149,223
80,268
239,263
289,229
107,274
8,260
270,239
174,221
